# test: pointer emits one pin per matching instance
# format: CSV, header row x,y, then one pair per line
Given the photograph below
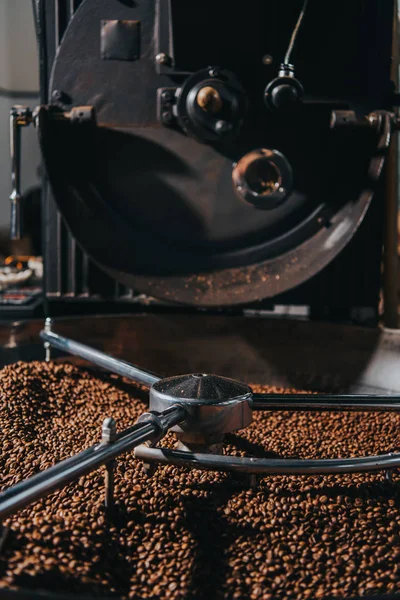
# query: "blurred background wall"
x,y
19,84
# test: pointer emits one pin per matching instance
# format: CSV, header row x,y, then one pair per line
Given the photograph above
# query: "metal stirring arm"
x,y
328,402
256,402
267,466
151,427
114,365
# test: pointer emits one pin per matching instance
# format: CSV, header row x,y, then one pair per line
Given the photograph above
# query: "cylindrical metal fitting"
x,y
215,405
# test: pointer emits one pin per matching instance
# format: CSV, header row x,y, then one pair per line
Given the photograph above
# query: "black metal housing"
x,y
358,74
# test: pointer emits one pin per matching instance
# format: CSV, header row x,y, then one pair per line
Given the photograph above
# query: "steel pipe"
x,y
44,483
265,466
329,402
114,365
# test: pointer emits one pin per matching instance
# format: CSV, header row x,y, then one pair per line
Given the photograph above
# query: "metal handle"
x,y
20,116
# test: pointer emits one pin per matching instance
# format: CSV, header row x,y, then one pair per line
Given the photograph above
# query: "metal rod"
x,y
284,466
44,483
15,197
115,365
321,402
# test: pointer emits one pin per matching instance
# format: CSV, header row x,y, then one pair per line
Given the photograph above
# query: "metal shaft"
x,y
320,402
71,469
295,466
115,365
15,198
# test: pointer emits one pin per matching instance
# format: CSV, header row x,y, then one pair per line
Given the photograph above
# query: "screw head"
x,y
222,127
163,59
167,95
267,59
167,117
57,95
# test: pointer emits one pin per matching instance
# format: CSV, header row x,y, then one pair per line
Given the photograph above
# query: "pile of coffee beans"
x,y
186,533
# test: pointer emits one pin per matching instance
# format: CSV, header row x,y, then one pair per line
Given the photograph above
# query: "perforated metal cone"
x,y
200,388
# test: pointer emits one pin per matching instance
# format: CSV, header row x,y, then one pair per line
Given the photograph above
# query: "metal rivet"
x,y
267,59
163,59
57,95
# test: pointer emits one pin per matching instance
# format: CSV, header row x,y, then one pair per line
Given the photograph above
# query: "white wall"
x,y
19,72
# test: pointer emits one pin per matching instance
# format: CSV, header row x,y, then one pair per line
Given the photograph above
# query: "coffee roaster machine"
x,y
215,161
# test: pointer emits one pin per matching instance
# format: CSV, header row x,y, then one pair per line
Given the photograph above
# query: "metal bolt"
x,y
167,95
267,59
57,95
167,117
223,127
213,72
163,59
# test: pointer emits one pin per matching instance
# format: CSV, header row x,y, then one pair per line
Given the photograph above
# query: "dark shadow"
x,y
39,586
56,579
115,563
213,536
249,447
133,389
28,594
110,554
128,3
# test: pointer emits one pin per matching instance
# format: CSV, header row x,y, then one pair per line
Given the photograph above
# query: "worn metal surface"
x,y
120,40
194,224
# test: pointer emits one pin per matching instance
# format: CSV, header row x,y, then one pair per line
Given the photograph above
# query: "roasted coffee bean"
x,y
191,534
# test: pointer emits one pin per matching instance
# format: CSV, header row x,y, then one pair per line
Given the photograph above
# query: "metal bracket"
x,y
165,105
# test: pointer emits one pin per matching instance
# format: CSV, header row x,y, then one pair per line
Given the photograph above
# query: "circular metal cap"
x,y
214,404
